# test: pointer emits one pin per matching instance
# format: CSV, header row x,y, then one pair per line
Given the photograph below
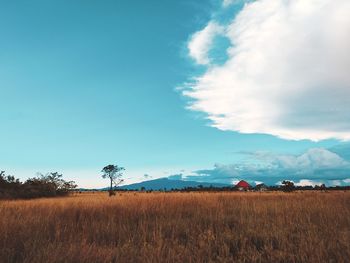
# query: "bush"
x,y
48,185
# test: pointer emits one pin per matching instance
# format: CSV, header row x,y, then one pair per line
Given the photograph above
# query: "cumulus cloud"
x,y
315,166
202,41
286,72
306,182
227,3
315,158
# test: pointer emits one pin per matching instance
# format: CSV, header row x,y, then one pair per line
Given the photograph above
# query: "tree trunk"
x,y
111,185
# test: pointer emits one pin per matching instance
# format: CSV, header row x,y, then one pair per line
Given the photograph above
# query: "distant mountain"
x,y
165,183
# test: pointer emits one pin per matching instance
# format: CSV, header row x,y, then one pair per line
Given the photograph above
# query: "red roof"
x,y
243,184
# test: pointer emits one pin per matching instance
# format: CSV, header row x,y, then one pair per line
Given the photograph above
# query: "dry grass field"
x,y
178,227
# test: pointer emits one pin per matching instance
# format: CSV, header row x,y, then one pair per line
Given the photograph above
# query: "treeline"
x,y
48,185
286,186
260,189
270,188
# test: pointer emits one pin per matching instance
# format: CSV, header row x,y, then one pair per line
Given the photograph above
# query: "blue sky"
x,y
88,83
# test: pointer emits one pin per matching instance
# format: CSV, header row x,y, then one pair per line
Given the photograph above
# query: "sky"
x,y
210,90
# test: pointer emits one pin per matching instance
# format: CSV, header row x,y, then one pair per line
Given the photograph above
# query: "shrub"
x,y
47,185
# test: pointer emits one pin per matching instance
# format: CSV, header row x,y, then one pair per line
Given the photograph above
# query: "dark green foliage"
x,y
47,185
288,186
114,174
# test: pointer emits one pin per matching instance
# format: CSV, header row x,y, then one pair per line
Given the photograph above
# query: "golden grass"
x,y
178,227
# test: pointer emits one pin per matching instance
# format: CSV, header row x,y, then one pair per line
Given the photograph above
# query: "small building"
x,y
243,186
261,187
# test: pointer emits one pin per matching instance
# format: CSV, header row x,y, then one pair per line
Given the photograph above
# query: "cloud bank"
x,y
287,72
315,166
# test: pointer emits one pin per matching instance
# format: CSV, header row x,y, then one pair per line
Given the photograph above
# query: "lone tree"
x,y
114,174
288,186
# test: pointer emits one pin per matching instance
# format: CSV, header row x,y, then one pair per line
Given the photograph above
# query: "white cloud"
x,y
315,158
226,3
335,183
201,42
287,73
347,181
315,166
306,182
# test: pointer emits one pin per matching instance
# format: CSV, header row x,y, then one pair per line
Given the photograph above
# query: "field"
x,y
178,227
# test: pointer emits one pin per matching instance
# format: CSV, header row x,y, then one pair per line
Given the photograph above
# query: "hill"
x,y
165,183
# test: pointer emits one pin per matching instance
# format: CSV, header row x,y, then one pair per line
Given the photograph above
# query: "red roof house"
x,y
243,185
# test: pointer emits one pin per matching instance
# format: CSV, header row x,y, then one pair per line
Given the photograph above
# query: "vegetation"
x,y
288,186
114,174
47,185
310,226
258,188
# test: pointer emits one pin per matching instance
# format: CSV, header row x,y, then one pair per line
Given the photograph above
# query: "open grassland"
x,y
178,227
